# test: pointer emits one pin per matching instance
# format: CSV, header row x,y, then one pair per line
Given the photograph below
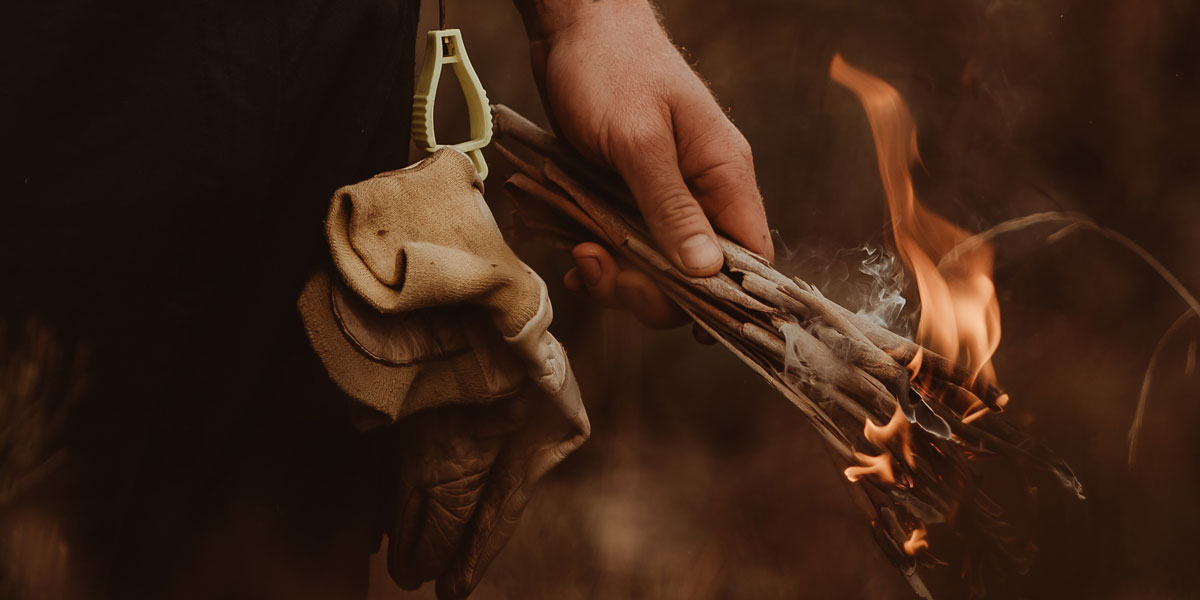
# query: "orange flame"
x,y
879,466
960,316
898,426
916,541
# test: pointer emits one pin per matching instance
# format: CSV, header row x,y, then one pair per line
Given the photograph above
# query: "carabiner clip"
x,y
445,47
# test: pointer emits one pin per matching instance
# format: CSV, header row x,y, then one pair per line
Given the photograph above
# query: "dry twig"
x,y
903,437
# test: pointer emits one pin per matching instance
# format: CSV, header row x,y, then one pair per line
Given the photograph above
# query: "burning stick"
x,y
908,423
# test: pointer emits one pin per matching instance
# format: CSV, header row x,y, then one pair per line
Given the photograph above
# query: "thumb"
x,y
677,222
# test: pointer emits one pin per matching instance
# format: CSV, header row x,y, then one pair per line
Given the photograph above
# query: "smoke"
x,y
1023,107
867,279
881,289
791,354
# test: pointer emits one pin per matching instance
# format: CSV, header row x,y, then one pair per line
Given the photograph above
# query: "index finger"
x,y
716,161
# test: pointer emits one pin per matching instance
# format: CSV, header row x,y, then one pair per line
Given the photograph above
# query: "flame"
x,y
879,466
898,426
960,316
974,412
914,365
916,541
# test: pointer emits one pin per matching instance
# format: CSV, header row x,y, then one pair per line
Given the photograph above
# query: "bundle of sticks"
x,y
911,427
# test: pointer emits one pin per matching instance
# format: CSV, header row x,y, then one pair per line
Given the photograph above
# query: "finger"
x,y
573,281
498,513
598,273
444,470
449,507
730,196
718,165
405,541
641,297
491,529
603,279
649,165
529,454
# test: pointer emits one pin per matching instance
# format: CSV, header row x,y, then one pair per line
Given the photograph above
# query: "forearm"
x,y
545,19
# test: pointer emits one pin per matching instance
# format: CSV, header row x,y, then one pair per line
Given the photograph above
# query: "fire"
x,y
897,426
978,409
974,412
916,541
879,466
960,316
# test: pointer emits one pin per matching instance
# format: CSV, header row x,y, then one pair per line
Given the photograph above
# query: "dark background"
x,y
700,482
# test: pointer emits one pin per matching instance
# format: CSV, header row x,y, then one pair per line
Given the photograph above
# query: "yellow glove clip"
x,y
445,47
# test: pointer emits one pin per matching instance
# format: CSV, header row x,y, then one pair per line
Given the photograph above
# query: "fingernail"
x,y
699,252
590,267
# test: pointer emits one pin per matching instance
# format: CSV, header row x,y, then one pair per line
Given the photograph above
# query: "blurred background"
x,y
700,482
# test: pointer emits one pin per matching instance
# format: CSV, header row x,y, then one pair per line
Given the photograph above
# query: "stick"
x,y
845,373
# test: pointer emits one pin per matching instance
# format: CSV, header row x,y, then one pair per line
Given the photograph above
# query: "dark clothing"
x,y
167,169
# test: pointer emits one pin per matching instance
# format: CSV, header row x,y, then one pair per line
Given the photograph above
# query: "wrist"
x,y
547,21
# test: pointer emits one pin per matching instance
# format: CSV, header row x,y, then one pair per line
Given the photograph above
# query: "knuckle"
x,y
706,139
741,148
722,147
639,124
730,183
676,212
639,135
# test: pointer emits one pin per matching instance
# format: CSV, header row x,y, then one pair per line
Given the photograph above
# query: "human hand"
x,y
620,93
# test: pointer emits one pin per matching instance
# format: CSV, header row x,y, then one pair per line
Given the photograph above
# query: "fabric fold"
x,y
435,329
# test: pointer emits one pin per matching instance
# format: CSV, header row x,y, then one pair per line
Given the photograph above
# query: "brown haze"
x,y
699,482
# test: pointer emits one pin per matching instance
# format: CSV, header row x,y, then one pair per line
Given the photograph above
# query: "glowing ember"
x,y
898,426
916,542
879,466
977,410
960,317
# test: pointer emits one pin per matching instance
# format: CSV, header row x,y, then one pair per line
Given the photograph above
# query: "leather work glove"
x,y
464,480
438,333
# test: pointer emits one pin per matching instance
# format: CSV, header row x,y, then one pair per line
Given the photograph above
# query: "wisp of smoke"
x,y
882,290
868,280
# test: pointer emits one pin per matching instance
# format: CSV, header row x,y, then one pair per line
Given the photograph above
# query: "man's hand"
x,y
620,93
